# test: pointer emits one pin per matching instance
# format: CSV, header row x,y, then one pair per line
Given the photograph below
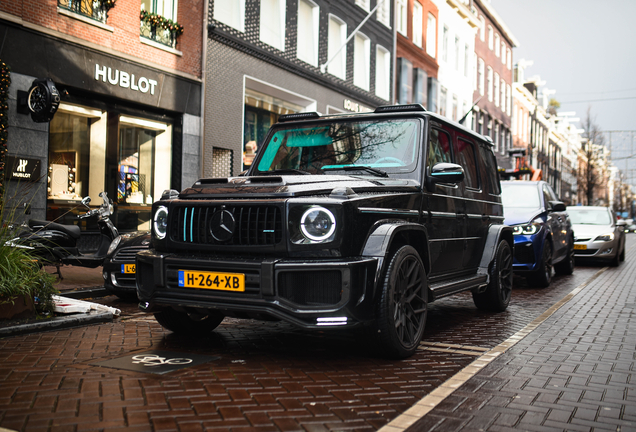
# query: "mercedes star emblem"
x,y
222,225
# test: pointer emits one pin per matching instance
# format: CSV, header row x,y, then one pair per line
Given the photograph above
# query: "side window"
x,y
548,196
490,165
465,153
439,149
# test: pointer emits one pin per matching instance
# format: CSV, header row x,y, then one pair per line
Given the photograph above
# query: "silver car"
x,y
597,234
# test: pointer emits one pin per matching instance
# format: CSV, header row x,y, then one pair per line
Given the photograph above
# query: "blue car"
x,y
543,237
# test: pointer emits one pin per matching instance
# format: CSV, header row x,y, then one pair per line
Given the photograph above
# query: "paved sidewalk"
x,y
574,370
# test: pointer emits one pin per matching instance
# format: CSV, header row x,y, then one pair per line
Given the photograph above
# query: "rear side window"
x,y
490,165
466,158
439,148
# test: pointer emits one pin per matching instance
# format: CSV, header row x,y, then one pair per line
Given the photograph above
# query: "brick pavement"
x,y
574,372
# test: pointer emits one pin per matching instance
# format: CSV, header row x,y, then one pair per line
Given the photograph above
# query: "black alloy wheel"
x,y
402,307
186,324
543,276
566,267
499,291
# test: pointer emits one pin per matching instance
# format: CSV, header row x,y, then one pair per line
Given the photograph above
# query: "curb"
x,y
92,317
84,293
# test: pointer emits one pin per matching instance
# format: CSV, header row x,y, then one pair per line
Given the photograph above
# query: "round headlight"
x,y
318,224
113,245
160,222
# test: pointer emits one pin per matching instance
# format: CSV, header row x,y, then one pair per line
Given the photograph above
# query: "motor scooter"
x,y
56,244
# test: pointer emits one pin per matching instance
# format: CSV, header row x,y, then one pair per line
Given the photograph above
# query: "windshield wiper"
x,y
373,171
286,171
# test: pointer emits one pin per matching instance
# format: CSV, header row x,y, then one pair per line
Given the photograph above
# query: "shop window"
x,y
261,112
272,23
307,30
361,61
382,72
88,8
156,31
231,13
337,38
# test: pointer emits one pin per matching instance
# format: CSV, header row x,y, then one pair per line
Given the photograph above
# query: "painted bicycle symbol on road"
x,y
155,360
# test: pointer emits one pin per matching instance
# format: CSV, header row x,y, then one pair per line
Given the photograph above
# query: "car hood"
x,y
520,215
295,185
590,231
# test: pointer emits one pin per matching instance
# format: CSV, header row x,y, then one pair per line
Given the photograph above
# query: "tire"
x,y
622,257
543,276
182,323
566,267
402,306
616,261
497,296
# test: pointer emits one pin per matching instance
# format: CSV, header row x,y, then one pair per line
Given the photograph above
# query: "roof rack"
x,y
399,108
298,116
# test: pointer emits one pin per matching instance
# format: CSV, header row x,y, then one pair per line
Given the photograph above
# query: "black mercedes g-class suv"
x,y
341,221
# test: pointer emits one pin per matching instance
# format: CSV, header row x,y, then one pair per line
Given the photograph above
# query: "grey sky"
x,y
583,49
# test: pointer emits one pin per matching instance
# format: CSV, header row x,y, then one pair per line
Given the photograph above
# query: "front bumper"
x,y
528,250
311,293
596,250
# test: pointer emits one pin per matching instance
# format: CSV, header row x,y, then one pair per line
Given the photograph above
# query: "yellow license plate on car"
x,y
128,268
580,247
212,280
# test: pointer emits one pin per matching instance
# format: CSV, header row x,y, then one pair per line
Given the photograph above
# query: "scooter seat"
x,y
72,230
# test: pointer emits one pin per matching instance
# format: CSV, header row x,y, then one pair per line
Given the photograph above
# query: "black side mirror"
x,y
557,206
447,173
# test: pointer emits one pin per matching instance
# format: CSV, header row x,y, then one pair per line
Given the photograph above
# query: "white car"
x,y
598,235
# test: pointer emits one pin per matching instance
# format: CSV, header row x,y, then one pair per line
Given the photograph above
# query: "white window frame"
x,y
482,76
227,13
264,36
509,99
364,4
503,51
503,95
491,38
362,61
482,28
431,35
489,78
496,89
418,24
457,56
401,17
383,14
497,45
509,64
445,44
333,47
382,72
311,59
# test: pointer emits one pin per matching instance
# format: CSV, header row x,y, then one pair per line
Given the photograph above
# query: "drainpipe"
x,y
204,53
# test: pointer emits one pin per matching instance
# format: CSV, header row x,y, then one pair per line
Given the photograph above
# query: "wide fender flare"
x,y
496,233
379,242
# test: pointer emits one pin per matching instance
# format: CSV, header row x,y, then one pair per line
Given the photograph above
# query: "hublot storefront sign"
x,y
25,169
124,79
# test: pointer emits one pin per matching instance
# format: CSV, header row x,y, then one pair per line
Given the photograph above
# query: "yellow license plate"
x,y
128,268
580,247
212,280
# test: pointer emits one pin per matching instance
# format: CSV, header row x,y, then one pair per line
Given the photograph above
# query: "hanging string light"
x,y
156,20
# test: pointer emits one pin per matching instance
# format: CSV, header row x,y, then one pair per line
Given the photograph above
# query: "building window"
x,y
404,80
431,35
383,13
503,52
337,37
90,9
482,28
166,9
417,23
481,77
491,38
509,59
509,100
497,45
489,78
503,95
496,89
457,54
231,13
445,44
364,4
400,11
495,136
362,61
382,72
420,81
272,23
307,31
442,100
454,113
466,61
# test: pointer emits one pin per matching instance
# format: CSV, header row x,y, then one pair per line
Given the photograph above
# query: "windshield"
x,y
520,195
589,216
387,146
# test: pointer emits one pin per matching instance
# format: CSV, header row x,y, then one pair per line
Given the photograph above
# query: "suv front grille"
x,y
254,225
128,254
